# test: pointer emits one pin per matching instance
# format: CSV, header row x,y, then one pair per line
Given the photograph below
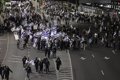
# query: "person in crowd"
x,y
40,64
36,62
46,51
57,23
1,72
47,64
54,50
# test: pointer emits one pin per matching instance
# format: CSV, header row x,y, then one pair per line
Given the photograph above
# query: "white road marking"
x,y
106,58
25,78
113,51
102,72
70,64
93,55
14,61
66,74
16,56
82,58
56,69
6,49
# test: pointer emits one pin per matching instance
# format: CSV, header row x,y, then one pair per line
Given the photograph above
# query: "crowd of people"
x,y
105,30
41,65
54,28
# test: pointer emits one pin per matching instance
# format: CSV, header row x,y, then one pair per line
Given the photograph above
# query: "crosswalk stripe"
x,y
15,61
65,72
16,56
3,39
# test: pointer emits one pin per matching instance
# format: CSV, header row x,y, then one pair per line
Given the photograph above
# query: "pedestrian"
x,y
36,61
26,41
1,72
40,66
49,50
28,70
7,71
58,63
38,44
47,64
54,50
46,51
24,60
18,43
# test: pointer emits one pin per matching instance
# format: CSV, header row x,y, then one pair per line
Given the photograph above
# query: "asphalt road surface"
x,y
3,46
95,64
12,57
92,64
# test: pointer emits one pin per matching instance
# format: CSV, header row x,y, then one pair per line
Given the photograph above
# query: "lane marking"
x,y
15,56
14,61
25,78
93,55
113,51
102,72
70,64
58,74
3,39
83,58
107,58
56,69
6,49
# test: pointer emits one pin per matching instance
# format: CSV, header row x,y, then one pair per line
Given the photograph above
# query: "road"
x,y
86,65
3,46
12,57
92,65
